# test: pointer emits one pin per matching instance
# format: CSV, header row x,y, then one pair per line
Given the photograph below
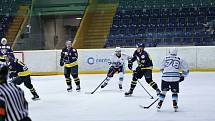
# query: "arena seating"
x,y
7,11
162,23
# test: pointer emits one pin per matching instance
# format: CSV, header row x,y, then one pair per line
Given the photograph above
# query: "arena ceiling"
x,y
59,7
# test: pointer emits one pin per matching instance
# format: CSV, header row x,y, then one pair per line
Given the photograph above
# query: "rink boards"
x,y
46,62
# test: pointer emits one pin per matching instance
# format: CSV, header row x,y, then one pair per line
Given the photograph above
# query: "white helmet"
x,y
173,51
118,49
4,41
68,42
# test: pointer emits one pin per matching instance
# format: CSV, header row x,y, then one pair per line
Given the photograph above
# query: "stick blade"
x,y
144,107
88,92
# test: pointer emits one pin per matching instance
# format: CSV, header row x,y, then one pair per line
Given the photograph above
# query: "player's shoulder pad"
x,y
167,57
64,49
8,47
74,50
146,53
177,57
135,52
124,54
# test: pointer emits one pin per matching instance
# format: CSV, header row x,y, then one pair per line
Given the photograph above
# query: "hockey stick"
x,y
147,107
146,90
98,86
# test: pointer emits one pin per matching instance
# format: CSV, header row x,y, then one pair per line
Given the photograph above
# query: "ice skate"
x,y
35,97
69,89
120,86
129,93
78,88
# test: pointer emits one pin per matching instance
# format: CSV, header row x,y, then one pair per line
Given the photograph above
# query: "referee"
x,y
13,106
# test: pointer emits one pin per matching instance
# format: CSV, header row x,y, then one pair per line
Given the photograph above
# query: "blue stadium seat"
x,y
170,22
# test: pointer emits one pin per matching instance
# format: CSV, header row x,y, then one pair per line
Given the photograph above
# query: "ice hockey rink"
x,y
196,100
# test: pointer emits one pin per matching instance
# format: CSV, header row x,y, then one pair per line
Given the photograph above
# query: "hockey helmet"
x,y
118,49
3,41
173,51
68,44
140,45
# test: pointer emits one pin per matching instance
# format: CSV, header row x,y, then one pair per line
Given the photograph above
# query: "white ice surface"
x,y
196,100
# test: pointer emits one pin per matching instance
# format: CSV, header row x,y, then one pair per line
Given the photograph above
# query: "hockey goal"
x,y
19,55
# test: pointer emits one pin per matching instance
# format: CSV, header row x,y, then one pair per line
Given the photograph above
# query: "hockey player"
x,y
171,76
117,63
144,69
19,74
69,56
5,49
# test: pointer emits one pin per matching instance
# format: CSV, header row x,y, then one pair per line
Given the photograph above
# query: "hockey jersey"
x,y
6,50
171,66
143,59
117,62
18,67
69,57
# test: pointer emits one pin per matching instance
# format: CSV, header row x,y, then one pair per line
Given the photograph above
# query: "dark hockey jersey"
x,y
18,67
69,57
143,59
6,50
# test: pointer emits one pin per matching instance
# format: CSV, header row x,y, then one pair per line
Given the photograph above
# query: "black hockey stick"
x,y
146,90
147,107
98,86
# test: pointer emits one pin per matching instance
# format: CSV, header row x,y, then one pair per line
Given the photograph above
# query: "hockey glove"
x,y
181,78
74,58
109,63
130,66
61,63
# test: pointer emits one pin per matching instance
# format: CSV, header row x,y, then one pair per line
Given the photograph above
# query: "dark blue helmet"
x,y
140,45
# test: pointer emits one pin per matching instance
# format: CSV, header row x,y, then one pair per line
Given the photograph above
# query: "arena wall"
x,y
46,62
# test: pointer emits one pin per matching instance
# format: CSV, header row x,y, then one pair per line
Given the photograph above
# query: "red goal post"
x,y
19,55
